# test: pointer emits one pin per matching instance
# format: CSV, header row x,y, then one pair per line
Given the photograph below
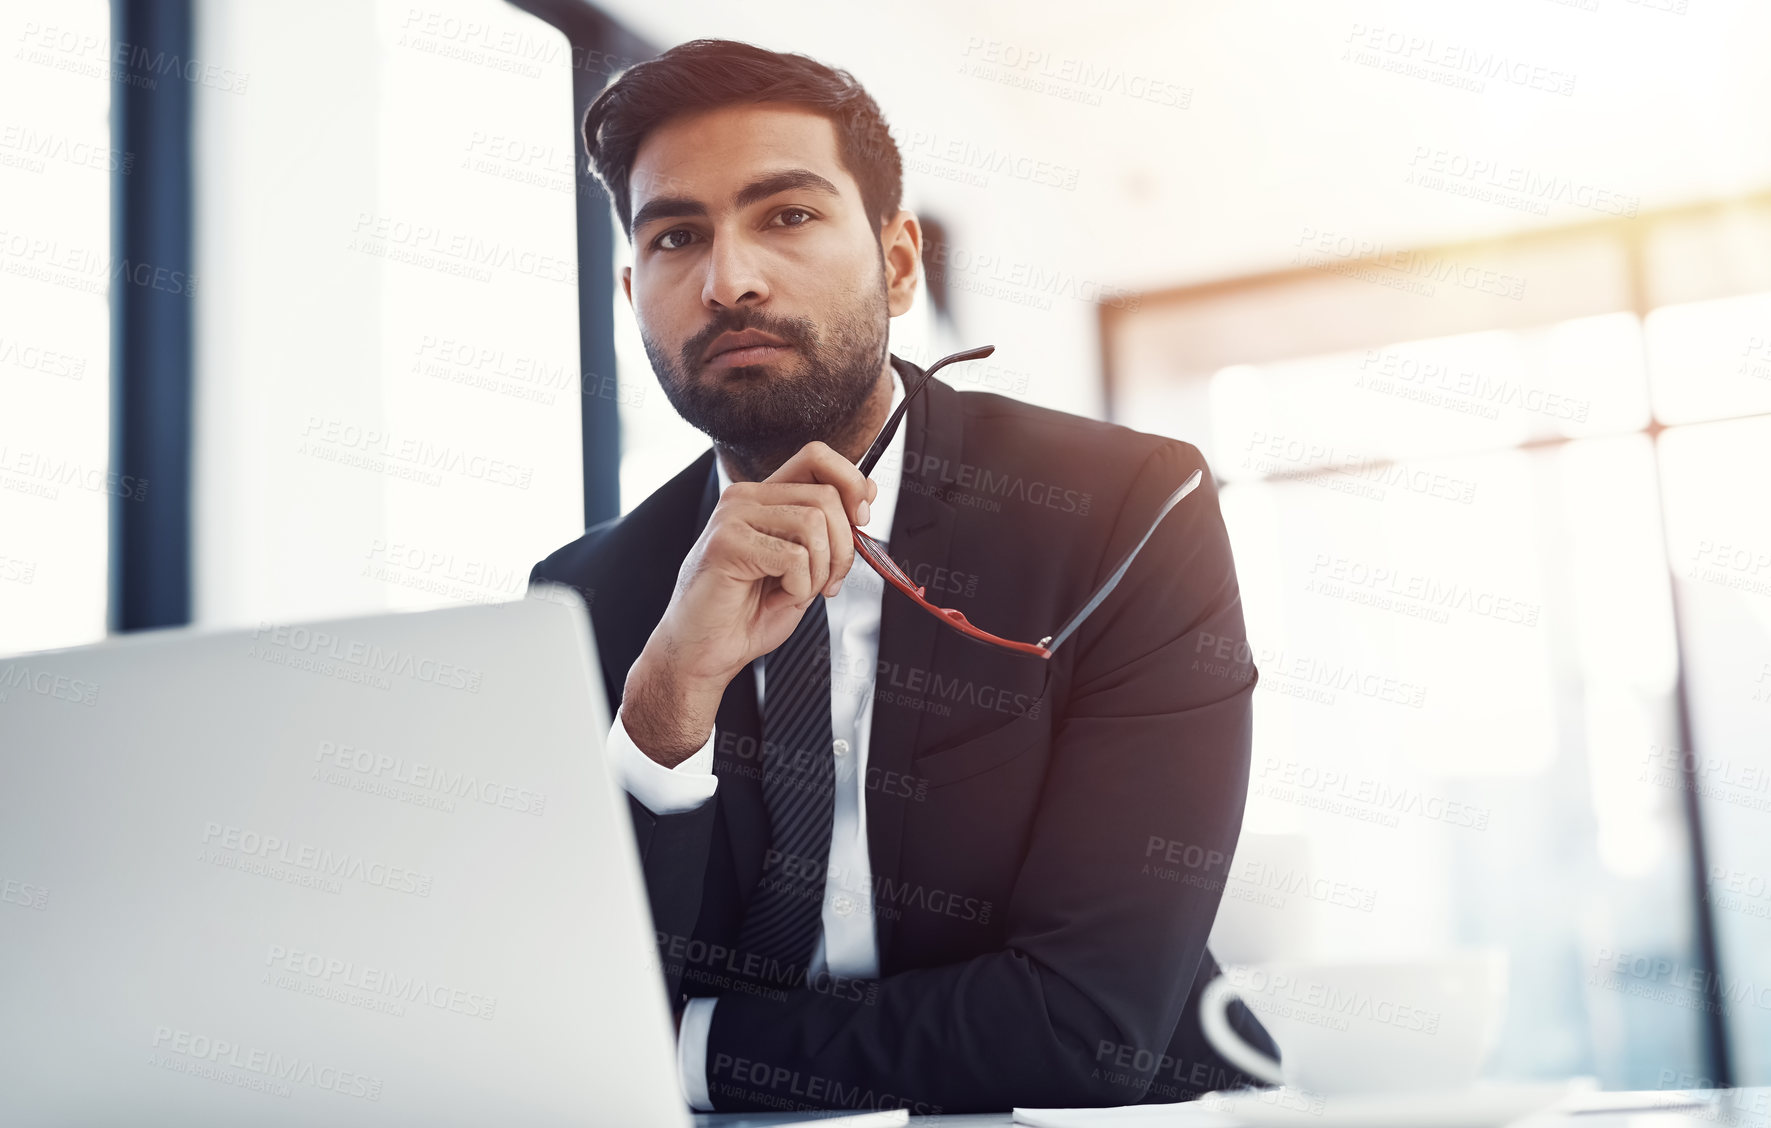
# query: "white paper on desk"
x,y
1635,1100
830,1118
1185,1114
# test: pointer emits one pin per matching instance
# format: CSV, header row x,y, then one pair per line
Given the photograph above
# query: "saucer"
x,y
1486,1105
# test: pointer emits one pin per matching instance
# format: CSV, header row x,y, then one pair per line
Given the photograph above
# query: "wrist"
x,y
667,716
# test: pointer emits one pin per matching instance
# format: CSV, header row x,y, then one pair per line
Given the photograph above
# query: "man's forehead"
x,y
708,155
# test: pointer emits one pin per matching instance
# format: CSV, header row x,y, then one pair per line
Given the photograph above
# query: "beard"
x,y
762,414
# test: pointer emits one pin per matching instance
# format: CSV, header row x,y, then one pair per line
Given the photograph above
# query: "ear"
x,y
627,284
900,241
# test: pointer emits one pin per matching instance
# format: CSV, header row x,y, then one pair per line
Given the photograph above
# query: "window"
x,y
1506,565
388,375
56,164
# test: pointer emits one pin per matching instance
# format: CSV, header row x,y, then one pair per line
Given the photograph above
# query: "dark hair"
x,y
705,73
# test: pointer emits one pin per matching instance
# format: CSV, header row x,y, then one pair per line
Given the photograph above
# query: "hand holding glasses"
x,y
880,561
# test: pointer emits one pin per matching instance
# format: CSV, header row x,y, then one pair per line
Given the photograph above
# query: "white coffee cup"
x,y
1407,1026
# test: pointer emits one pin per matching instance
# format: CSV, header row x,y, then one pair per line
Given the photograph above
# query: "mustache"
x,y
795,331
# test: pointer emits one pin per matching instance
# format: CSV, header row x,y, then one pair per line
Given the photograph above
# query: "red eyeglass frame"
x,y
874,553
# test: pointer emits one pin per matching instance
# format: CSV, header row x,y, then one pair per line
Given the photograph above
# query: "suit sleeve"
x,y
1149,761
673,819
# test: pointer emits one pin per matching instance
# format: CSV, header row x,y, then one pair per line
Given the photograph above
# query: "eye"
x,y
782,215
661,244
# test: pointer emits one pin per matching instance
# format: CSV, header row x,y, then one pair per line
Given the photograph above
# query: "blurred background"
x,y
307,310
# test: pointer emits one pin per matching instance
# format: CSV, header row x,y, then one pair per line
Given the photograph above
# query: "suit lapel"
x,y
922,529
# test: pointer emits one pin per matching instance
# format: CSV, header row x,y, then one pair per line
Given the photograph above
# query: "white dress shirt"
x,y
847,946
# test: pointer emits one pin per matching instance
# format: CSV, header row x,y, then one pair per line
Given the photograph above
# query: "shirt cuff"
x,y
664,791
691,1052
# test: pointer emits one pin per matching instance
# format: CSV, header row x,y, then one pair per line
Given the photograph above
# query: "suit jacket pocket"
x,y
981,753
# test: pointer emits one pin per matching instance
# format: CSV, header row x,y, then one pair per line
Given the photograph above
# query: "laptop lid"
x,y
364,871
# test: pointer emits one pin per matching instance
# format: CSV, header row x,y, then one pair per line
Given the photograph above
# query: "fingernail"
x,y
865,511
835,587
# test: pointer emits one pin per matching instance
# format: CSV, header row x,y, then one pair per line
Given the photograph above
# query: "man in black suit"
x,y
889,864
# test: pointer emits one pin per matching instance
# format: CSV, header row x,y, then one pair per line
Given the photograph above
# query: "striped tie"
x,y
785,914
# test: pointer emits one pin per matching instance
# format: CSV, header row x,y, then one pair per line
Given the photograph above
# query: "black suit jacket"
x,y
1048,838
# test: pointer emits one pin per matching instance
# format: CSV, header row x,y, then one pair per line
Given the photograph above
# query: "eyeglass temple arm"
x,y
1053,642
884,438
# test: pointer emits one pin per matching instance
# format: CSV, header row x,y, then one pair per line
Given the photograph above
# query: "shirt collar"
x,y
886,472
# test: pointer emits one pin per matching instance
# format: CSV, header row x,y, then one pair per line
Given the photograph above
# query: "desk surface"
x,y
1737,1108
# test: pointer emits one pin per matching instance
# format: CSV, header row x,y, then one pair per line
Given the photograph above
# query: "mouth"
x,y
749,354
751,346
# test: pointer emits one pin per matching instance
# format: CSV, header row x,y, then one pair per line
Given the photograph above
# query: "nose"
x,y
734,275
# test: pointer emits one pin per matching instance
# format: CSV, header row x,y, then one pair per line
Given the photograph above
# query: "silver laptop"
x,y
367,871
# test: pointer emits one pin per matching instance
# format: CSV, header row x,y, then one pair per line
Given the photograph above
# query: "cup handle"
x,y
1214,1020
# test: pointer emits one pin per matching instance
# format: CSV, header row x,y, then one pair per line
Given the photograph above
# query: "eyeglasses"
x,y
880,561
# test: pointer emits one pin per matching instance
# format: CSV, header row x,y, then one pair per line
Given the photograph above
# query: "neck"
x,y
746,464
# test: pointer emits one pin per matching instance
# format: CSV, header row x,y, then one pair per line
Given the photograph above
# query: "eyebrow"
x,y
789,180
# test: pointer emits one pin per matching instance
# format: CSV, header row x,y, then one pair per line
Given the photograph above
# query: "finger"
x,y
841,542
805,525
788,561
818,462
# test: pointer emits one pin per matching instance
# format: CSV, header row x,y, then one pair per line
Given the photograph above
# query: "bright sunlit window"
x,y
56,163
387,363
